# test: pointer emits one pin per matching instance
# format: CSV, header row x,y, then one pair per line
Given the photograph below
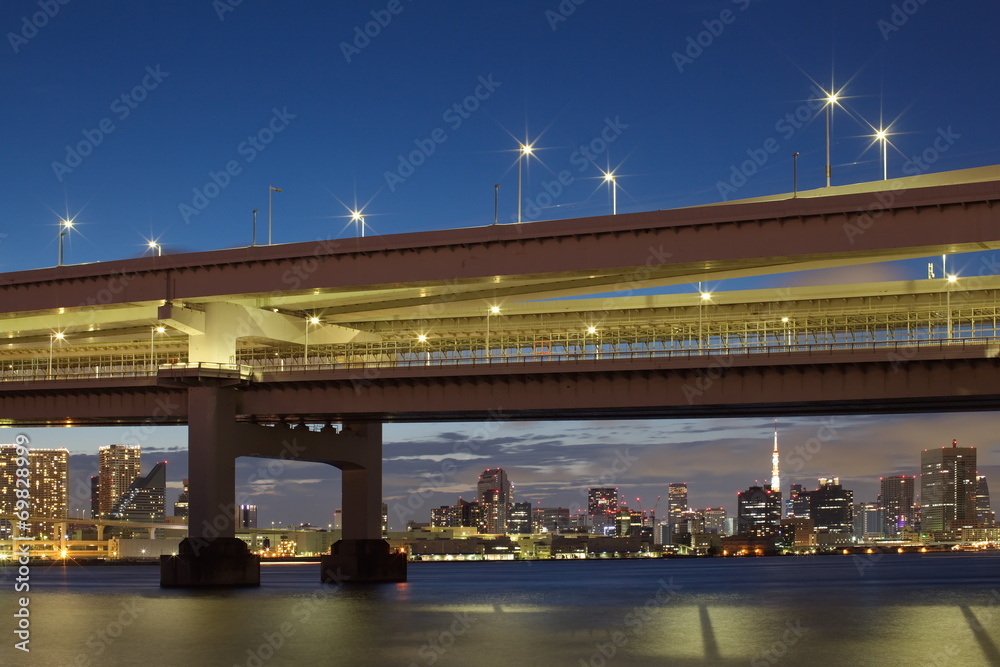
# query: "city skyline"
x,y
556,469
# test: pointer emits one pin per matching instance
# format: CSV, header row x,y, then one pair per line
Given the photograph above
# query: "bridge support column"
x,y
362,556
211,555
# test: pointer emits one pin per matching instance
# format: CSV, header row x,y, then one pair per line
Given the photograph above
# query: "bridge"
x,y
551,320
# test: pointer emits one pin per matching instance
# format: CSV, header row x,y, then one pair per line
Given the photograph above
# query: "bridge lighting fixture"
x,y
784,320
522,154
64,228
609,178
706,296
359,219
421,338
270,195
153,245
591,330
831,100
883,136
314,320
494,310
952,278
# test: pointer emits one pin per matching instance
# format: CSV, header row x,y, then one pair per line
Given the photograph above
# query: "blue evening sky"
x,y
169,120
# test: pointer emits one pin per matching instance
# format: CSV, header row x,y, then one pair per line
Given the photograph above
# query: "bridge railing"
x,y
67,370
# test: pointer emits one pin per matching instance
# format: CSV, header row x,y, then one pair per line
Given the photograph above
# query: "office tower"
x,y
715,520
868,521
145,498
550,519
48,475
985,516
520,519
441,517
181,506
947,488
246,516
677,501
602,505
496,495
831,507
95,496
775,460
119,467
467,515
758,511
798,503
896,502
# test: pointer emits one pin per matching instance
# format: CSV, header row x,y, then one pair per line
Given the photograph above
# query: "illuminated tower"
x,y
496,496
775,459
48,475
947,488
119,467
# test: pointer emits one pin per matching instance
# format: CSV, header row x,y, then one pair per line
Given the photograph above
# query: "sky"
x,y
171,121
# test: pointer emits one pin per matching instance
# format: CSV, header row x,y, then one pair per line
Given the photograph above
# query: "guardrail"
x,y
462,358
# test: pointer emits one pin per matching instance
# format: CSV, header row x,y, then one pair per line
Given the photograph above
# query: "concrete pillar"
x,y
100,532
211,555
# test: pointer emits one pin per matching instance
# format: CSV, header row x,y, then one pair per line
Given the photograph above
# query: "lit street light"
x,y
795,174
882,135
951,279
270,195
493,310
359,219
152,341
64,227
153,245
52,339
310,321
253,239
830,101
609,178
524,152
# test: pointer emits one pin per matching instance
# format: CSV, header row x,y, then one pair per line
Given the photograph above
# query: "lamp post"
x,y
882,136
153,245
795,174
270,195
609,178
422,339
703,298
496,203
152,340
52,339
830,101
309,321
64,227
493,310
253,239
951,279
360,220
524,152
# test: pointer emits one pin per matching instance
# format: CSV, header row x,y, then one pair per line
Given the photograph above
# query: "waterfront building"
x,y
246,516
520,519
677,501
144,499
181,506
496,495
868,522
441,517
95,496
602,505
798,502
48,475
775,464
896,503
550,519
119,466
985,517
758,511
831,507
947,488
714,520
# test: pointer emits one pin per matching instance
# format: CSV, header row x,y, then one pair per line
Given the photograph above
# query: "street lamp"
x,y
795,174
705,297
883,136
64,227
270,195
609,178
496,203
309,321
422,338
153,245
524,152
356,217
52,339
152,333
493,310
951,280
253,239
831,99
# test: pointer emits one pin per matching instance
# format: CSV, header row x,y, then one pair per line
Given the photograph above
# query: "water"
x,y
936,609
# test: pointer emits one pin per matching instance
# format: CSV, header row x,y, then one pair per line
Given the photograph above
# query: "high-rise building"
x,y
441,517
48,475
758,511
550,519
868,521
145,498
677,501
496,495
119,467
715,520
520,519
181,506
831,507
798,503
896,502
775,461
947,488
985,517
246,516
467,515
602,505
95,496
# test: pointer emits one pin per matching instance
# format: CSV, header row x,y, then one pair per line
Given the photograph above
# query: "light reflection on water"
x,y
936,609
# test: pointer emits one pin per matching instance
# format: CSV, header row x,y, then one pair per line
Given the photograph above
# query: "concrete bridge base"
x,y
222,561
362,561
